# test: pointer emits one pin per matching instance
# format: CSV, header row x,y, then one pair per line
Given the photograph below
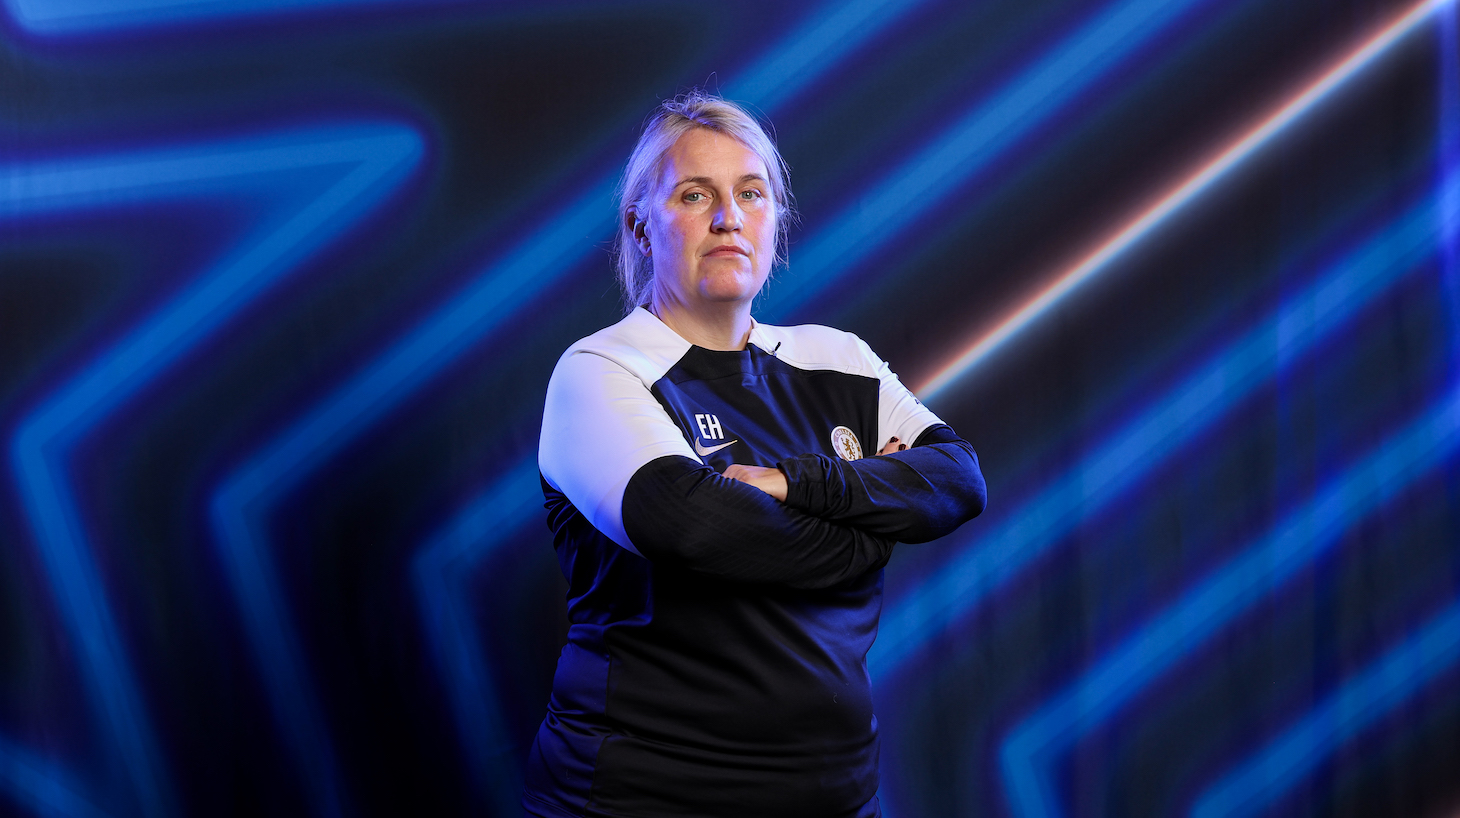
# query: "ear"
x,y
638,228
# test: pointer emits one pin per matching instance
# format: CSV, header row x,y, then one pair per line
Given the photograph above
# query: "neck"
x,y
726,329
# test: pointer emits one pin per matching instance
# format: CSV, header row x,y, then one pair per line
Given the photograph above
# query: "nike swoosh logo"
x,y
706,451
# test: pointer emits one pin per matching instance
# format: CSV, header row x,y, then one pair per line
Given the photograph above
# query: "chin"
x,y
741,289
736,297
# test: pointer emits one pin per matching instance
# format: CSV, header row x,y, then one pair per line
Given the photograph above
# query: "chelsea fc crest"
x,y
845,444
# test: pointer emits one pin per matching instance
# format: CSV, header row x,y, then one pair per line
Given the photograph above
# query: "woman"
x,y
722,536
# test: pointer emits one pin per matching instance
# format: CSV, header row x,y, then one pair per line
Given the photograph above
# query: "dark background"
x,y
281,285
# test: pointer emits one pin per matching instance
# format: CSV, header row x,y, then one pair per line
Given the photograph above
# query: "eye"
x,y
751,194
693,197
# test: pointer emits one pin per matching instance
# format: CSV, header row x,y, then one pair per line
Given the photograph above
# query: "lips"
x,y
727,250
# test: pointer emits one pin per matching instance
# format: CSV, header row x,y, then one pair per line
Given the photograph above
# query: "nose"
x,y
728,217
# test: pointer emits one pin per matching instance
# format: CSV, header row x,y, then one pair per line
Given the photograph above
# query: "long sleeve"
x,y
916,495
716,653
680,512
609,447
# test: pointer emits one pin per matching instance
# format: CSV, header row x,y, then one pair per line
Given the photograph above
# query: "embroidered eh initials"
x,y
710,427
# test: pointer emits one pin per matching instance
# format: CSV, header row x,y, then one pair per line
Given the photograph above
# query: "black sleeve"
x,y
683,513
911,496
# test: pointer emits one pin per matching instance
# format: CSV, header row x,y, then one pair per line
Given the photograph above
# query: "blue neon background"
x,y
281,284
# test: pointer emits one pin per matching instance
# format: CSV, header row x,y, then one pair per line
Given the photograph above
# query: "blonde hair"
x,y
674,118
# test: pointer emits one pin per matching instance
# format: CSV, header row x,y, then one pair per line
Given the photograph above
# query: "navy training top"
x,y
715,662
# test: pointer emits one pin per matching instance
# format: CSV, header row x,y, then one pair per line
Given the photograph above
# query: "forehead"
x,y
705,153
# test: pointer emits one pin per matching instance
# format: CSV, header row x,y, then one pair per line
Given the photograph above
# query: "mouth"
x,y
727,250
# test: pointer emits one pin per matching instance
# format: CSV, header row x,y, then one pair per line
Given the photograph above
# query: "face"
x,y
710,229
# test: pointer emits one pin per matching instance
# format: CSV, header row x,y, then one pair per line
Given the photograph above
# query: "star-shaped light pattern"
x,y
1199,419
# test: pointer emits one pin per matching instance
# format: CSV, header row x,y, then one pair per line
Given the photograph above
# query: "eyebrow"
x,y
705,180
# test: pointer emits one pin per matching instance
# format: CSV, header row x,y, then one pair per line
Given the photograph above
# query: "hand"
x,y
769,480
893,445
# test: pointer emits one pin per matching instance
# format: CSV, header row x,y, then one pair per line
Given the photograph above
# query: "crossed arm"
x,y
838,519
773,481
912,494
609,447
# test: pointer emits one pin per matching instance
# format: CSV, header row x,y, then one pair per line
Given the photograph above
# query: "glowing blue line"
x,y
47,436
1258,571
41,786
982,135
441,571
824,40
172,173
1373,693
62,17
504,288
1186,192
1449,164
242,504
989,559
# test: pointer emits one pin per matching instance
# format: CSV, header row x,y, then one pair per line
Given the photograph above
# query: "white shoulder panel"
x,y
600,423
812,346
